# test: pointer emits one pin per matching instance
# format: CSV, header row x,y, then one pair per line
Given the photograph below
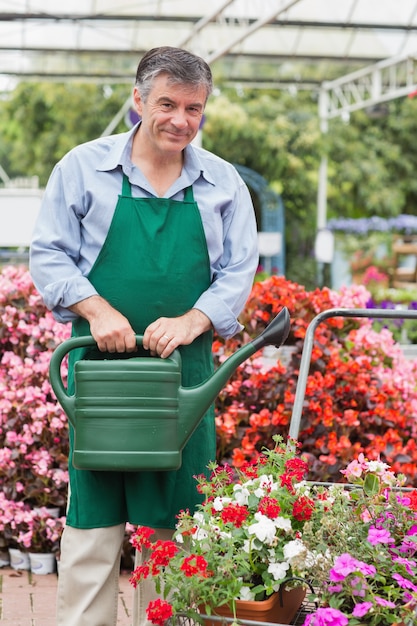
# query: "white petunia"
x,y
283,523
219,503
278,570
246,546
241,494
293,548
200,534
246,594
263,529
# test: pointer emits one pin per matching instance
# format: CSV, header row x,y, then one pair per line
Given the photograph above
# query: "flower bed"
x,y
33,434
360,397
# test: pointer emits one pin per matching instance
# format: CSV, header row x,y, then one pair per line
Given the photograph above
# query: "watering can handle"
x,y
55,366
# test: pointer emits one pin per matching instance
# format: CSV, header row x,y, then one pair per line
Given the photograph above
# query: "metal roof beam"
x,y
285,5
203,22
195,19
386,80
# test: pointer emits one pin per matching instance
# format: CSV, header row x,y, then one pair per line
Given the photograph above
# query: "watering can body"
x,y
126,413
132,413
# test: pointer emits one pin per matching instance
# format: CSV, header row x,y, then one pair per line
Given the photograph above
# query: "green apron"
x,y
154,262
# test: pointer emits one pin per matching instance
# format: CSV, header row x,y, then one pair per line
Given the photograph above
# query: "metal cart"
x,y
295,423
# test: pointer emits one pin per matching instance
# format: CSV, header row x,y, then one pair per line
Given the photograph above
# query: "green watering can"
x,y
132,413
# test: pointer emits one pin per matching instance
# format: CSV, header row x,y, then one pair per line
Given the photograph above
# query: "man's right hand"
x,y
110,329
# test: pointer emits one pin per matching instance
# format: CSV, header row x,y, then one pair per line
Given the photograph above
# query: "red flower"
x,y
249,469
140,573
297,468
286,481
234,513
195,564
141,537
159,611
303,508
270,507
162,553
413,499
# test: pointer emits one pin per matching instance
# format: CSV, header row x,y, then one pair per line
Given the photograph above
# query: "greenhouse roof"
x,y
294,43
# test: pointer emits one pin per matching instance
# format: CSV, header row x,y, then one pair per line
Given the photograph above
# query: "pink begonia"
x,y
353,470
350,297
6,457
60,477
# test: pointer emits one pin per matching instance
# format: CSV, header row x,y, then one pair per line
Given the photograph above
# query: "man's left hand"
x,y
167,333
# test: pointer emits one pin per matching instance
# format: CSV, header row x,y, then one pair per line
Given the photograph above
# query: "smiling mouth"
x,y
176,133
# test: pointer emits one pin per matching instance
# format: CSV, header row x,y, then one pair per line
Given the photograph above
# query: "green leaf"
x,y
371,485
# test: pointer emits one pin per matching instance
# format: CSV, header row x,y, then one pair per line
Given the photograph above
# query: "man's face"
x,y
171,115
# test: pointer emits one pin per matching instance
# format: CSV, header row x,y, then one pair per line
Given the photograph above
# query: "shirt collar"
x,y
119,154
194,164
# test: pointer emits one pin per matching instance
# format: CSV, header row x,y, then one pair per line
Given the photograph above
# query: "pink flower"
x,y
361,609
404,582
379,535
326,617
346,564
383,602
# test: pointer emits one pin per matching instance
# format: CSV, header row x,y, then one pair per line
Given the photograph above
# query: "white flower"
x,y
283,523
219,503
293,548
200,534
264,529
278,570
378,467
241,493
266,485
246,594
198,517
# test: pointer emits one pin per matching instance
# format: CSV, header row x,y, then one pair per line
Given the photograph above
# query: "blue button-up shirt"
x,y
78,206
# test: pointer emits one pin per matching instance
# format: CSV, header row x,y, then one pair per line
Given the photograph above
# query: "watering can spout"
x,y
132,414
195,401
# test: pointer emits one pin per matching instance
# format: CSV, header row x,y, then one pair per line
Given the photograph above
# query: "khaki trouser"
x,y
88,581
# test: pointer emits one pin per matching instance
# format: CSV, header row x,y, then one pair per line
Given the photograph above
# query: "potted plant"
x,y
265,528
15,526
45,531
241,544
364,543
44,536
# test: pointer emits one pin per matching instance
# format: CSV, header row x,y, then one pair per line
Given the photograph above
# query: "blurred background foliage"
x,y
372,157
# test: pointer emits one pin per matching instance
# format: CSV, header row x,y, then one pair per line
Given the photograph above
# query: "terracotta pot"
x,y
280,608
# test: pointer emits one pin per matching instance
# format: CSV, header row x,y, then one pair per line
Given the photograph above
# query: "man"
x,y
142,233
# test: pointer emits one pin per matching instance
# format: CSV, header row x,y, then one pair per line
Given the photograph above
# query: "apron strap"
x,y
188,194
127,190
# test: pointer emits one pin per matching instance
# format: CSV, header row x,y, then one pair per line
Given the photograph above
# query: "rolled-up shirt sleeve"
x,y
234,269
55,249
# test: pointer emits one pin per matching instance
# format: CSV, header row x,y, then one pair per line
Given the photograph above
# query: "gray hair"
x,y
182,67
